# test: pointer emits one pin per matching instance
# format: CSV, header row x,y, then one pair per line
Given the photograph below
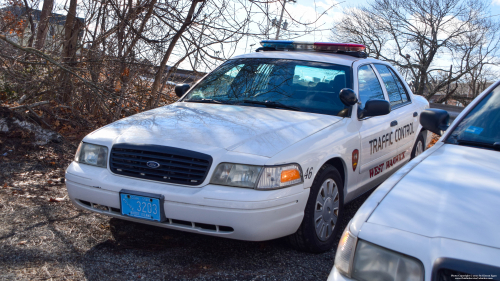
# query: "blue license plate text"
x,y
140,207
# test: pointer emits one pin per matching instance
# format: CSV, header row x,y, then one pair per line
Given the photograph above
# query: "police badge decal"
x,y
355,158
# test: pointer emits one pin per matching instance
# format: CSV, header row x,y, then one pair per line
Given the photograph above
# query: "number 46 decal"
x,y
308,173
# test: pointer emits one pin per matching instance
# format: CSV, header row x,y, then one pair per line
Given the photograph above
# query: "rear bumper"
x,y
236,213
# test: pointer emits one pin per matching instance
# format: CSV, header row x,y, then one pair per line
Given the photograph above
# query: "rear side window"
x,y
369,86
395,90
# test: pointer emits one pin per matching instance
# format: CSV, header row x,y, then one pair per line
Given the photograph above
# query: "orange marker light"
x,y
290,175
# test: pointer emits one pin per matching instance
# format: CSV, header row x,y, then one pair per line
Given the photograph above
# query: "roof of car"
x,y
306,56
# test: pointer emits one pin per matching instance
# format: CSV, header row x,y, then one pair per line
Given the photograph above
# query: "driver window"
x,y
368,85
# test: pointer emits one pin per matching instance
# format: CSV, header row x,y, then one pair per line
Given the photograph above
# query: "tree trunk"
x,y
32,26
161,70
43,25
72,27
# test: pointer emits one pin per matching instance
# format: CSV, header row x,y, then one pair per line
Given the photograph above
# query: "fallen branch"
x,y
29,105
39,117
23,98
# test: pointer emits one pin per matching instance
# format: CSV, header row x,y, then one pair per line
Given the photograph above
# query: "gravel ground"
x,y
43,237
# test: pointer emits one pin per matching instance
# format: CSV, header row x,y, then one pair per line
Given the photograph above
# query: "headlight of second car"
x,y
365,261
91,154
257,177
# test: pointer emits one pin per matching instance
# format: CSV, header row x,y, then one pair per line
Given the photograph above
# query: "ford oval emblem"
x,y
153,164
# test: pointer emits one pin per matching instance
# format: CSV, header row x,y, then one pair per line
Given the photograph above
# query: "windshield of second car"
x,y
282,84
481,126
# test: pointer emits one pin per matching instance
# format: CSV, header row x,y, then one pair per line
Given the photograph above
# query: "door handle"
x,y
415,114
394,123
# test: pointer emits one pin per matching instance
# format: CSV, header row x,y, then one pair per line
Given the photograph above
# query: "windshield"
x,y
277,83
481,127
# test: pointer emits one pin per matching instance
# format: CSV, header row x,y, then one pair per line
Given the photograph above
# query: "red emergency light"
x,y
329,47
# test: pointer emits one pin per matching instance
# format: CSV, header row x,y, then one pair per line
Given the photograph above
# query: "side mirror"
x,y
435,120
181,89
375,108
348,97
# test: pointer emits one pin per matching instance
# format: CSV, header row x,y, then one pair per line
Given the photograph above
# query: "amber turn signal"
x,y
290,175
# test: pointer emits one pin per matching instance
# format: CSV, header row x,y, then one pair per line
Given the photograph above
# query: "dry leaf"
x,y
22,243
49,182
5,185
57,199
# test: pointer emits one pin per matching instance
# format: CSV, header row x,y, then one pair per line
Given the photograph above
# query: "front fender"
x,y
334,142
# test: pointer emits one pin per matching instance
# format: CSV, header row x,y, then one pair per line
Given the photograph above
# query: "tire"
x,y
307,238
419,146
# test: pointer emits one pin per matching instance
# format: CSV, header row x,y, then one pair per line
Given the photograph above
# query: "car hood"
x,y
244,129
454,193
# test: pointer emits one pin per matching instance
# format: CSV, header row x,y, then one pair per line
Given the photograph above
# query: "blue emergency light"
x,y
312,46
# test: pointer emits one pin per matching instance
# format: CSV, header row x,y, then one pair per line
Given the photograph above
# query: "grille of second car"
x,y
176,165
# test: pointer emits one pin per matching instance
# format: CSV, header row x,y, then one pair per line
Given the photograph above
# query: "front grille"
x,y
448,269
176,165
445,274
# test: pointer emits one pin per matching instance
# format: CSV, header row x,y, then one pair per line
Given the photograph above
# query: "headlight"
x,y
91,154
365,261
345,252
236,175
257,177
372,262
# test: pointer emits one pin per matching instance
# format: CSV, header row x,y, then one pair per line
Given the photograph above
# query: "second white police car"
x,y
270,144
436,219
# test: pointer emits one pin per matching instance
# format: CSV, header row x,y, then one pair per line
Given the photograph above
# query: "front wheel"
x,y
419,146
322,214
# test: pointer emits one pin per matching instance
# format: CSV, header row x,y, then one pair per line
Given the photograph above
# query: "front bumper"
x,y
336,276
231,212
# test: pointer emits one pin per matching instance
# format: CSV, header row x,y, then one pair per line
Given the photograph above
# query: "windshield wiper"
x,y
495,146
272,104
207,101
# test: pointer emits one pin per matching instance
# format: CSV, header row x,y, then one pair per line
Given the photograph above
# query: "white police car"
x,y
269,144
437,218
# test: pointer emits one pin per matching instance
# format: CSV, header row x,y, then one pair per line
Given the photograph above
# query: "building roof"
x,y
22,11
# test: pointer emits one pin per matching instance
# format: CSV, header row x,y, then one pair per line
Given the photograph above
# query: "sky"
x,y
308,11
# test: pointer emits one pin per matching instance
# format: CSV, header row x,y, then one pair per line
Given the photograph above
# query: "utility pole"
x,y
279,22
449,82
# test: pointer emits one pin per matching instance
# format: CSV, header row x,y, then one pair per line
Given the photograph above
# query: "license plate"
x,y
142,207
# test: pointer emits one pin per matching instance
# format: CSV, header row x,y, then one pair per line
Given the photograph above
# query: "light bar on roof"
x,y
312,46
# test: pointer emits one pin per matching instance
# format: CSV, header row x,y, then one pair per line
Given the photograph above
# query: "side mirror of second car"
x,y
435,120
348,97
375,108
181,89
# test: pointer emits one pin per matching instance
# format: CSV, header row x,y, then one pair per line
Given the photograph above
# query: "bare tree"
x,y
474,83
127,55
418,36
43,25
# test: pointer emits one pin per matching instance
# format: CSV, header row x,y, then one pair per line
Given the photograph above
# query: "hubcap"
x,y
326,209
419,149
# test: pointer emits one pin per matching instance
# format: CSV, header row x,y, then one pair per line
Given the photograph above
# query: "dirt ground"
x,y
43,237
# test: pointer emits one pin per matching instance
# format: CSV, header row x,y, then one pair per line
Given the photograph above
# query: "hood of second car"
x,y
454,193
245,129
